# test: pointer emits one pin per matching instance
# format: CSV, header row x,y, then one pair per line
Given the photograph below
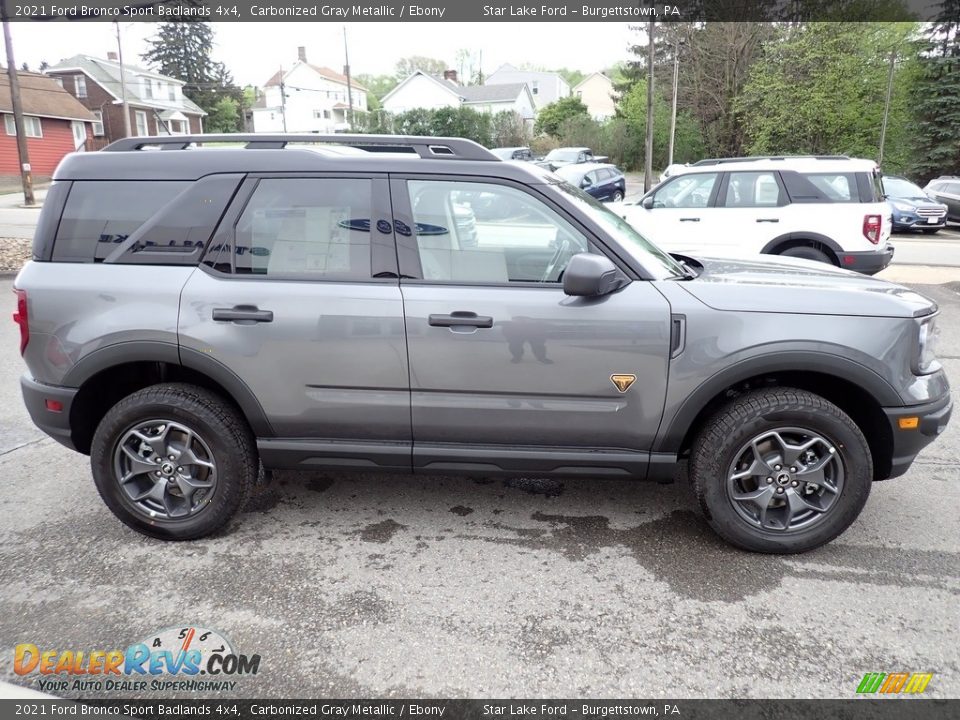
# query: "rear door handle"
x,y
454,319
689,219
243,314
770,220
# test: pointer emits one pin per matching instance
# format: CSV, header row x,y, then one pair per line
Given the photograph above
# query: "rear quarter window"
x,y
101,214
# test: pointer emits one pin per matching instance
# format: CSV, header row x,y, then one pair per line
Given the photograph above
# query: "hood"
x,y
917,201
792,285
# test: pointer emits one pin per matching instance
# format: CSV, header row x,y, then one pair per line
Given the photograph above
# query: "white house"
x,y
306,98
545,87
421,90
597,93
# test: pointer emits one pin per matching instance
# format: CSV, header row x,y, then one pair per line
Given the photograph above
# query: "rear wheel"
x,y
807,253
781,471
174,461
617,196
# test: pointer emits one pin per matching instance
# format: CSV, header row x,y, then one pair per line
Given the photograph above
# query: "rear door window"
x,y
753,190
837,187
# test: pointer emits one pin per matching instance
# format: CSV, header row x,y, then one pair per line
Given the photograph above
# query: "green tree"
x,y
409,65
509,129
820,89
688,140
552,116
377,85
224,116
183,50
936,97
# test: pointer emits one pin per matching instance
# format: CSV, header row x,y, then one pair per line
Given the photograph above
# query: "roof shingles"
x,y
42,96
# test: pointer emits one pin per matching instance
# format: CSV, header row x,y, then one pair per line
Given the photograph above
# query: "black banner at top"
x,y
477,10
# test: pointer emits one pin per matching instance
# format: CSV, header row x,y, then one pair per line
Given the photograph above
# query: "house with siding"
x,y
422,90
545,87
597,93
156,102
306,98
55,124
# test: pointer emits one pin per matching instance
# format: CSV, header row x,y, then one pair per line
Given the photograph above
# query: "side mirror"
x,y
647,202
589,275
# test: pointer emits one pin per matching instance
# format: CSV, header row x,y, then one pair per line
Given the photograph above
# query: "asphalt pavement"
x,y
363,585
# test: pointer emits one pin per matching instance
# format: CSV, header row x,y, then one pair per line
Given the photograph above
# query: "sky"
x,y
254,51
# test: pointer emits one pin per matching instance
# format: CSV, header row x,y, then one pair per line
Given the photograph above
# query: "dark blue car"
x,y
603,181
912,208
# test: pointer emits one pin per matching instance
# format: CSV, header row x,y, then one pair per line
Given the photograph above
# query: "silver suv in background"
x,y
194,316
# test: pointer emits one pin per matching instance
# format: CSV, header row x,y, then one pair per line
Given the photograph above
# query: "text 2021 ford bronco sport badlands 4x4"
x,y
414,304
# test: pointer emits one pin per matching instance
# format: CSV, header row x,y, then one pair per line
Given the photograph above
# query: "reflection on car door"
x,y
298,297
500,357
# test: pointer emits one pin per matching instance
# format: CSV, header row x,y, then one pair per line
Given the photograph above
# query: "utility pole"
x,y
886,105
123,85
673,107
648,149
346,71
26,177
283,100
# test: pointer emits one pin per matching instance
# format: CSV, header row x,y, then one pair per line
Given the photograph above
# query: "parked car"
x,y
672,170
602,181
558,157
912,208
827,209
946,189
514,153
195,318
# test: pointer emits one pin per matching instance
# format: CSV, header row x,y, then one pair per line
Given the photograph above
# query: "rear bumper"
x,y
56,424
868,263
907,443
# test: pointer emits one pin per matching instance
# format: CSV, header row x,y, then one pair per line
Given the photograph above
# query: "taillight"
x,y
20,318
871,227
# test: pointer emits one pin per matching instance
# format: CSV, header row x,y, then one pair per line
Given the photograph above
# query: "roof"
x,y
830,164
42,96
324,72
507,92
106,73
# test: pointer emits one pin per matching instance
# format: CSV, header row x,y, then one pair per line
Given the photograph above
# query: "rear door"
x,y
508,372
750,212
298,297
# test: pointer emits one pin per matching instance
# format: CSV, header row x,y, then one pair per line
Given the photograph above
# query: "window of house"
x,y
536,87
306,228
32,126
485,233
98,123
147,88
80,83
171,92
59,81
141,118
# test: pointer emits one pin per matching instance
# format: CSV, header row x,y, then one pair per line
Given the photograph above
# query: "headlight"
x,y
928,334
903,207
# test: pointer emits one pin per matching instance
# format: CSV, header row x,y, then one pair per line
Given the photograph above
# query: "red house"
x,y
55,124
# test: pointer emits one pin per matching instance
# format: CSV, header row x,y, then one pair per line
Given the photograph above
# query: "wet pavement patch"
x,y
381,532
461,510
535,486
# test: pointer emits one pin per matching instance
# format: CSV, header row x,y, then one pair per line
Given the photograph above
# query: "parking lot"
x,y
363,585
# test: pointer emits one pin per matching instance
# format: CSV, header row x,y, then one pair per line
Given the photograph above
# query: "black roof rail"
x,y
425,146
753,158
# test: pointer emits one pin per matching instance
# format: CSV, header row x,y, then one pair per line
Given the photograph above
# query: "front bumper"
x,y
910,221
55,423
932,419
868,263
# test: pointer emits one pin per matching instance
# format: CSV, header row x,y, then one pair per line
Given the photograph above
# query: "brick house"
x,y
54,122
156,102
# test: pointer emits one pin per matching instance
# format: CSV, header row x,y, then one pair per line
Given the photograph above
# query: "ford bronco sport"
x,y
194,314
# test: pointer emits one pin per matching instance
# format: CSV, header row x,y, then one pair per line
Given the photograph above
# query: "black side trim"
x,y
669,440
511,460
310,454
907,444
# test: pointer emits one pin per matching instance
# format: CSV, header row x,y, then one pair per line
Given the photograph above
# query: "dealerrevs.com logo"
x,y
894,683
185,658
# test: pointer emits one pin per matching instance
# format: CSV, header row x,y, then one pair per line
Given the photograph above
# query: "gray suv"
x,y
194,317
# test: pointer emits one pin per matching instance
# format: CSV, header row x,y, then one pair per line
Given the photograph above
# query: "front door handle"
x,y
689,219
243,314
770,220
458,318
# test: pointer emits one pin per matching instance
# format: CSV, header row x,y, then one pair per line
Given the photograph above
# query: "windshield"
x,y
899,188
562,154
649,255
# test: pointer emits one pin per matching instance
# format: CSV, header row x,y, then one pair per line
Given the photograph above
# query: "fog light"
x,y
53,405
909,423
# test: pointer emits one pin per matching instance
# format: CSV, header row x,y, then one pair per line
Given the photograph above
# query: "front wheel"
x,y
781,471
617,196
174,461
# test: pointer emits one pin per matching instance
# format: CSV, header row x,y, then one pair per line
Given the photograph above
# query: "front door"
x,y
79,134
506,371
299,298
683,218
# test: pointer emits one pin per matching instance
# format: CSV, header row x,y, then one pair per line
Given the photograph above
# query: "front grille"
x,y
931,212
